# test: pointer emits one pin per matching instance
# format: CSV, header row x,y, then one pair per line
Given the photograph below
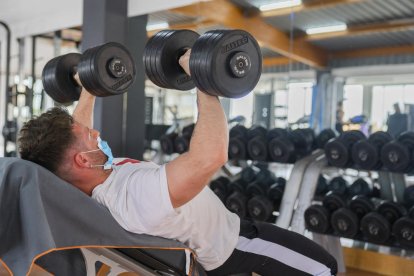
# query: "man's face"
x,y
87,141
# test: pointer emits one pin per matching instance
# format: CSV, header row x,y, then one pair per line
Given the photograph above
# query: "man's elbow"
x,y
218,159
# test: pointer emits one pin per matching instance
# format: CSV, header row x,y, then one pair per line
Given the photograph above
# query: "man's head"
x,y
397,108
57,142
44,140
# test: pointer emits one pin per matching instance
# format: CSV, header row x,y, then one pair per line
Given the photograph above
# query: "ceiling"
x,y
376,28
379,31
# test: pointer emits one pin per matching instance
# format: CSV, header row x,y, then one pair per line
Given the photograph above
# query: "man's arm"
x,y
83,112
190,172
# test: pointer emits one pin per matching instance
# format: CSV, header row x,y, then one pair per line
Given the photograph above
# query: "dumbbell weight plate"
x,y
397,155
150,56
204,76
345,223
403,230
257,149
375,228
409,196
276,133
323,137
236,203
181,144
161,55
237,149
317,219
216,69
281,150
338,151
333,201
57,78
359,187
391,210
167,143
338,185
361,205
366,153
107,70
259,208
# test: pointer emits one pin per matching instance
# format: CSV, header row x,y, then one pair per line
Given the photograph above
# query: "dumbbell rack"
x,y
299,193
392,187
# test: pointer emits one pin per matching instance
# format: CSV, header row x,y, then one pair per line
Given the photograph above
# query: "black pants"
x,y
266,249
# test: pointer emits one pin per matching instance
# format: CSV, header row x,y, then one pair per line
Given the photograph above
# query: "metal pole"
x,y
7,73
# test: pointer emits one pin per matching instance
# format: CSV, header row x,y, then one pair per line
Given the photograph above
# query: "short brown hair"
x,y
45,139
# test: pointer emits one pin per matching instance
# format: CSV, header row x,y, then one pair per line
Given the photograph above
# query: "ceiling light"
x,y
280,5
326,29
157,26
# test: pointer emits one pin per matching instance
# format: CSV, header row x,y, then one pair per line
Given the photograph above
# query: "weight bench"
x,y
46,221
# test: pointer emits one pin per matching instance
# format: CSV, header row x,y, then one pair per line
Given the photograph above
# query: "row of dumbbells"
x,y
379,151
275,145
177,142
364,217
255,194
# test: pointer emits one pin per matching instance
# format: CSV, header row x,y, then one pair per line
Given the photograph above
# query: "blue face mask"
x,y
104,147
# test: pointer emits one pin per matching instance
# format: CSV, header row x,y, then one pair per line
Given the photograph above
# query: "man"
x,y
397,123
339,123
171,200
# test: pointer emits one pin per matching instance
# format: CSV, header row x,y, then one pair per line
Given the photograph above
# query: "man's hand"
x,y
184,61
77,79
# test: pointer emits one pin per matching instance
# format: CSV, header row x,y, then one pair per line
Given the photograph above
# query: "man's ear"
x,y
81,160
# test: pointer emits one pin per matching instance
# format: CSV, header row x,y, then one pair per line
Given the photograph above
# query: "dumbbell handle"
x,y
184,61
76,78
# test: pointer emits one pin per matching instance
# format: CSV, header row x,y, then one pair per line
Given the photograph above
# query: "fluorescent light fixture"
x,y
326,29
280,5
157,26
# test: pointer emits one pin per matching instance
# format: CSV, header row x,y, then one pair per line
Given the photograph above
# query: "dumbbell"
x,y
403,229
237,143
237,200
167,143
105,70
249,174
323,137
220,186
182,142
275,192
338,151
280,149
287,147
303,139
256,143
260,206
359,187
322,187
317,217
409,196
339,186
225,63
376,225
345,221
366,154
398,155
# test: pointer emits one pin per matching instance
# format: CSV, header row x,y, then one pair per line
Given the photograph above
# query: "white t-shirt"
x,y
136,194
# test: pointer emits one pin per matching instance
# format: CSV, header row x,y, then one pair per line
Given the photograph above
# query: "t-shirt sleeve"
x,y
146,202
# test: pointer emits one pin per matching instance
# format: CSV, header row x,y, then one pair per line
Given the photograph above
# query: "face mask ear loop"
x,y
90,151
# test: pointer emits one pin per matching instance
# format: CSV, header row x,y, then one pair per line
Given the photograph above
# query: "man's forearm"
x,y
83,112
210,137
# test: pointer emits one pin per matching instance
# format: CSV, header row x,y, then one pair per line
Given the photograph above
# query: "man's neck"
x,y
87,183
